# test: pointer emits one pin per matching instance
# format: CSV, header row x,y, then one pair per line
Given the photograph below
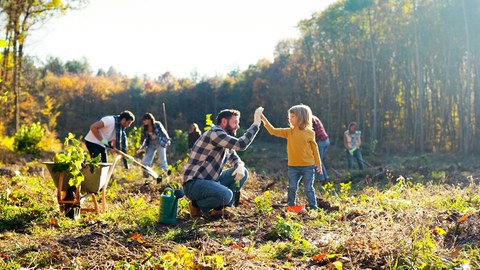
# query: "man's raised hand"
x,y
257,116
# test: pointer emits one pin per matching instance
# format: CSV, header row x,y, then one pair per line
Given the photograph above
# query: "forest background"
x,y
407,71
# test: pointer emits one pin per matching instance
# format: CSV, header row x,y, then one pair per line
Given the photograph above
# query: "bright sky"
x,y
152,37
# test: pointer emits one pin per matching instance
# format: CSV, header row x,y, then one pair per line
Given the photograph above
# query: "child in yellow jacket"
x,y
302,152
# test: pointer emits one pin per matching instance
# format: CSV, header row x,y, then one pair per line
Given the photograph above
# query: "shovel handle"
x,y
145,167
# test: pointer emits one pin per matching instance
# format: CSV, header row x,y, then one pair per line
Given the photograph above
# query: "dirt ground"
x,y
100,244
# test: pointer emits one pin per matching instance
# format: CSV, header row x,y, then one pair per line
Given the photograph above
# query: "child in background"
x,y
302,152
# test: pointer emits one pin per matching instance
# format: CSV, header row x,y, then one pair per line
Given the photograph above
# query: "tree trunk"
x,y
467,142
373,135
419,112
16,89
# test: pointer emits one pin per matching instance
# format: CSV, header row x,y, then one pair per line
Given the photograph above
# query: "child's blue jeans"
x,y
307,174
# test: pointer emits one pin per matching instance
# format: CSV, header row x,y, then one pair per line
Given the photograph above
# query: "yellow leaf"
x,y
438,231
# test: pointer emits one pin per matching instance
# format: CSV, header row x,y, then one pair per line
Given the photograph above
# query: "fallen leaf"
x,y
53,222
438,231
374,248
137,237
319,257
463,218
454,254
236,245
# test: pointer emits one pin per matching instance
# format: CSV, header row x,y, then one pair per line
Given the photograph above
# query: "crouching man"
x,y
205,182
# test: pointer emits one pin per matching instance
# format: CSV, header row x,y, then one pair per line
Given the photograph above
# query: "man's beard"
x,y
230,131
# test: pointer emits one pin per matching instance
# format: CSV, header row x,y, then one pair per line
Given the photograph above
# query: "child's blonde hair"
x,y
303,114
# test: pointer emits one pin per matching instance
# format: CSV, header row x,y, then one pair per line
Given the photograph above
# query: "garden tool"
x,y
236,194
178,193
238,174
71,209
148,169
169,204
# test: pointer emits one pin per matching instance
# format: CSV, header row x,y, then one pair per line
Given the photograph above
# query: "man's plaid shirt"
x,y
213,150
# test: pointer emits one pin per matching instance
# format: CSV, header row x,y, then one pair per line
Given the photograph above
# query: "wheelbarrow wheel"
x,y
72,210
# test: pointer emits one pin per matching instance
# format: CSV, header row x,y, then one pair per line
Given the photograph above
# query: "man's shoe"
x,y
220,213
195,212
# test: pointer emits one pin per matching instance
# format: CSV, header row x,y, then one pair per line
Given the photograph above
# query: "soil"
x,y
97,243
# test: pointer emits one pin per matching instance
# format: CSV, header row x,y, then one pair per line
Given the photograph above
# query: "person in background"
x,y
352,139
302,152
321,137
109,131
193,135
206,182
154,139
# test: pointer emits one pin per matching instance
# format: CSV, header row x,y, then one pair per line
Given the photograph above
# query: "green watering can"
x,y
168,205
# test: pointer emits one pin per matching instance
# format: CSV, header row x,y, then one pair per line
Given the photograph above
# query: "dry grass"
x,y
420,222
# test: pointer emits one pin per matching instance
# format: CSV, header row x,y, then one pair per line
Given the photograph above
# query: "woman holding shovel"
x,y
154,139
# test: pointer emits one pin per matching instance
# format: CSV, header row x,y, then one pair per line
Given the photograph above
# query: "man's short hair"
x,y
227,114
127,115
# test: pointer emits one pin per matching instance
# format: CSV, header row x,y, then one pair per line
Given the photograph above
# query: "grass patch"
x,y
418,220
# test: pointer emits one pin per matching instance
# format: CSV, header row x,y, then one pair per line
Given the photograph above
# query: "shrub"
x,y
134,136
27,139
181,142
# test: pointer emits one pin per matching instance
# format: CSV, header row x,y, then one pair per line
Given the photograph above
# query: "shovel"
x,y
148,169
236,194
